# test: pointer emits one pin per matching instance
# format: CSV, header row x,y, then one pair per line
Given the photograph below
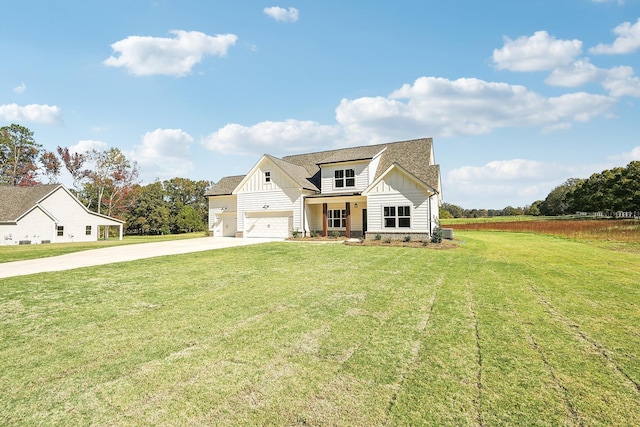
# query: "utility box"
x,y
447,233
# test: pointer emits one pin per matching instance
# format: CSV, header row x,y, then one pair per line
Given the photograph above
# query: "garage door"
x,y
275,225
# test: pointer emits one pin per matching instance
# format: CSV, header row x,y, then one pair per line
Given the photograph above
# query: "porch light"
x,y
265,207
355,205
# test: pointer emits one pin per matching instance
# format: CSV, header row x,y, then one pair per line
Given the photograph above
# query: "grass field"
x,y
23,252
507,329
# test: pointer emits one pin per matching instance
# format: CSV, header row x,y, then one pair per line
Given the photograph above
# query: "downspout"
x,y
304,216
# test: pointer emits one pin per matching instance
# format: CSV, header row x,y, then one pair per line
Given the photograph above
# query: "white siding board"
x,y
328,174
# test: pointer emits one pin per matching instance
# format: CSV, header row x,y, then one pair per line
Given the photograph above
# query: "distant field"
x,y
627,231
507,329
23,252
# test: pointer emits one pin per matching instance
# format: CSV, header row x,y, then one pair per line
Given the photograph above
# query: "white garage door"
x,y
277,224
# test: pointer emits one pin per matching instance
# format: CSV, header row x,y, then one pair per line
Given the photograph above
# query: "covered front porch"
x,y
342,214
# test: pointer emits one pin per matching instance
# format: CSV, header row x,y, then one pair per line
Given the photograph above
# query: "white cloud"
x,y
144,56
625,158
32,113
290,136
20,89
577,74
539,52
620,81
164,153
87,145
442,107
430,106
282,14
628,40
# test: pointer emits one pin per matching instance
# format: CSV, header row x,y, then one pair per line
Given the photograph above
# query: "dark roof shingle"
x,y
16,201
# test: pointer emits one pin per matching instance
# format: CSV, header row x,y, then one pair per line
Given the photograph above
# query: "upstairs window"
x,y
60,230
397,216
267,177
87,230
345,178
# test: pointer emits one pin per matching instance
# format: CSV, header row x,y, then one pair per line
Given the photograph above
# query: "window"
x,y
87,230
337,218
267,177
397,216
345,178
60,230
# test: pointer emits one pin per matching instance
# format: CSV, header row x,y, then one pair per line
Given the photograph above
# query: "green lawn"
x,y
23,252
508,329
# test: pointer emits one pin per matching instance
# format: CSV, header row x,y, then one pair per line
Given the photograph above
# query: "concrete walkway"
x,y
121,253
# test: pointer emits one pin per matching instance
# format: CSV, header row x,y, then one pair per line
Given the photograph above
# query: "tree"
x,y
182,192
18,156
51,166
110,180
188,220
149,212
557,202
454,210
74,164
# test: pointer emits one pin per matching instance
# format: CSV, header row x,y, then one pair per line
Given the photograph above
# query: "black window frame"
x,y
344,178
60,230
396,216
87,230
267,176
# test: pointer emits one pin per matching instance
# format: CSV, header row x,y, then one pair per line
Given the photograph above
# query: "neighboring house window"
x,y
87,230
267,177
397,216
61,230
345,178
337,218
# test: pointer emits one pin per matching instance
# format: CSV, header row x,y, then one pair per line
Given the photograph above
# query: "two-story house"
x,y
392,190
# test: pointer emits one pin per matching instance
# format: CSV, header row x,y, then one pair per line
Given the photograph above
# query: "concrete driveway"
x,y
121,253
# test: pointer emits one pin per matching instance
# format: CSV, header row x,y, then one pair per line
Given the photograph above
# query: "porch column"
x,y
348,211
325,221
120,230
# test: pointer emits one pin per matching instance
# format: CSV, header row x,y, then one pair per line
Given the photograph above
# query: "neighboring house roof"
x,y
415,156
17,201
225,186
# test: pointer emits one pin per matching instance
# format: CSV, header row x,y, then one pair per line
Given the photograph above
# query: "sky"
x,y
517,95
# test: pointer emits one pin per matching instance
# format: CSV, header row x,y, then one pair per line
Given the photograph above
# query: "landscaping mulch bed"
x,y
445,244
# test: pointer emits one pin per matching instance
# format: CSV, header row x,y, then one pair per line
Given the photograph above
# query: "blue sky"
x,y
518,95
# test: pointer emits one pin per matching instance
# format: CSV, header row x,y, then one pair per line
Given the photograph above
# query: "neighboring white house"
x,y
48,214
393,190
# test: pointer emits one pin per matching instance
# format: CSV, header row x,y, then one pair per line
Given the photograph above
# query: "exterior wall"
x,y
73,217
63,210
223,215
361,172
398,189
35,227
282,194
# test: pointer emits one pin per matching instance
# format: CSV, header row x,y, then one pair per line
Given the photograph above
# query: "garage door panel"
x,y
276,226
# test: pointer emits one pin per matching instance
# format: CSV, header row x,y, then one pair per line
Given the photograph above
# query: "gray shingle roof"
x,y
225,186
297,172
414,155
16,201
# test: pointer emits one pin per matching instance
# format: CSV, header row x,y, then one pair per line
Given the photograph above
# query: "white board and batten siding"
x,y
269,209
223,217
360,168
398,189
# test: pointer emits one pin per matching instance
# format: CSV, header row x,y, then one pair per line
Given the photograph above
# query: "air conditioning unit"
x,y
447,233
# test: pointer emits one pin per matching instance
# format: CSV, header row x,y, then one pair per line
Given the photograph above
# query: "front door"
x,y
364,223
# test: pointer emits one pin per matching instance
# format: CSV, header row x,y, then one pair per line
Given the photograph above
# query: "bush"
x,y
314,234
407,238
436,236
295,234
378,237
335,234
